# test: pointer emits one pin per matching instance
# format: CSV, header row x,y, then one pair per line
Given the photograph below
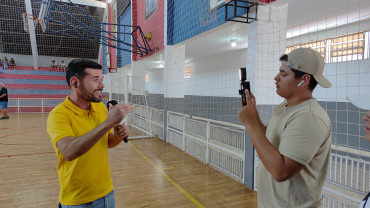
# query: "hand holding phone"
x,y
244,84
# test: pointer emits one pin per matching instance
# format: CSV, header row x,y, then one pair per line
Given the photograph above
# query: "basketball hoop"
x,y
35,19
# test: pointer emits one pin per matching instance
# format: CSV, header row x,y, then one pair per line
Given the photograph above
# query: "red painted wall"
x,y
112,51
154,24
266,1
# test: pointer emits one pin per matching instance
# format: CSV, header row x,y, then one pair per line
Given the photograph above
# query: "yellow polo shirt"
x,y
87,177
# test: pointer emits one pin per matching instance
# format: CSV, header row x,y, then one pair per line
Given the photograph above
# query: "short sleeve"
x,y
303,136
59,126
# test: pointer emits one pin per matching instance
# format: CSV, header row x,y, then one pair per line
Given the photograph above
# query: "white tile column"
x,y
174,67
266,43
137,78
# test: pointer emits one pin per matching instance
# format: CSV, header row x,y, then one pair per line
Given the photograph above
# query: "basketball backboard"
x,y
44,11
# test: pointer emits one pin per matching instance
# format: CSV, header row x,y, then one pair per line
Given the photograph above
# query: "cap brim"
x,y
360,101
322,81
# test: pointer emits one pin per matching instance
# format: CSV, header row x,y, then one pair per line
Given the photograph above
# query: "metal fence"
x,y
350,173
21,105
148,120
221,145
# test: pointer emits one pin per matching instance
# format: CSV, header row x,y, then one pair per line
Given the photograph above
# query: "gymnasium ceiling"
x,y
302,16
15,40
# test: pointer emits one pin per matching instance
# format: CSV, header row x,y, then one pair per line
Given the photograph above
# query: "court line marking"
x,y
27,154
190,197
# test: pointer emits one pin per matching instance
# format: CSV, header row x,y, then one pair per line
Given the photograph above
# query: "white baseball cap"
x,y
309,61
361,101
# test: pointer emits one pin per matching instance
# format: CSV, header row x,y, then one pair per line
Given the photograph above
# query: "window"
x,y
147,77
288,49
319,46
341,48
187,72
347,47
215,4
150,7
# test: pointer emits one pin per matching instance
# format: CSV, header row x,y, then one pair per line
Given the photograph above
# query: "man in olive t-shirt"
x,y
294,147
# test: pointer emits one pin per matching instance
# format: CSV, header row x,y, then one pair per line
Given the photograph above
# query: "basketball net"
x,y
35,19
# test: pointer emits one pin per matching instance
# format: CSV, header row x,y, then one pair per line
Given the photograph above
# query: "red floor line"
x,y
19,133
17,144
36,153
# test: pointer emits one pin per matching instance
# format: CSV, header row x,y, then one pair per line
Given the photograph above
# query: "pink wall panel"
x,y
266,1
112,51
154,24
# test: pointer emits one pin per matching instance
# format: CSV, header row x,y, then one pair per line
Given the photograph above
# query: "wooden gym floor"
x,y
146,172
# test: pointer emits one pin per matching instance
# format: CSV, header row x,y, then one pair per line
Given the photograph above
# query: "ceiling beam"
x,y
93,3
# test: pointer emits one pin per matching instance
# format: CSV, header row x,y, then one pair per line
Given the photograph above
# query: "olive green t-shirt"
x,y
303,134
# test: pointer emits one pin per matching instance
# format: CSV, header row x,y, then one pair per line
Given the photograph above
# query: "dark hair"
x,y
77,68
297,74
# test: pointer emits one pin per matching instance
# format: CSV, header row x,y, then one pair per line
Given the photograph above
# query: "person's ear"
x,y
300,83
74,82
305,81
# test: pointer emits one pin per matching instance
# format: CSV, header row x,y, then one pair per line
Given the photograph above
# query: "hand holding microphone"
x,y
122,131
117,116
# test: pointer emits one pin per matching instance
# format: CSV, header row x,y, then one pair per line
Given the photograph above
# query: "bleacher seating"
x,y
33,90
31,68
34,83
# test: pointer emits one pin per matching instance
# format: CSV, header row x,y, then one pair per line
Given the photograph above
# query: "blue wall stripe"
x,y
124,57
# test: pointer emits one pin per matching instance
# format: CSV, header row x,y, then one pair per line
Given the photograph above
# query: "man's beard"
x,y
90,96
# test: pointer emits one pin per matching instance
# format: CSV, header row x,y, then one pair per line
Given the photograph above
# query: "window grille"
x,y
147,77
319,46
187,72
347,47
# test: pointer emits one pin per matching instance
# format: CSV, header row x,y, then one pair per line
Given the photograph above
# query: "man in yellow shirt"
x,y
80,129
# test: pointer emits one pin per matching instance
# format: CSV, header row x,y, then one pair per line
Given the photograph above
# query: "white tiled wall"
x,y
174,71
137,78
266,41
347,78
216,76
156,81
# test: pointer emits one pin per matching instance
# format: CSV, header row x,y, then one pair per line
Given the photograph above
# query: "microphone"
x,y
113,102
